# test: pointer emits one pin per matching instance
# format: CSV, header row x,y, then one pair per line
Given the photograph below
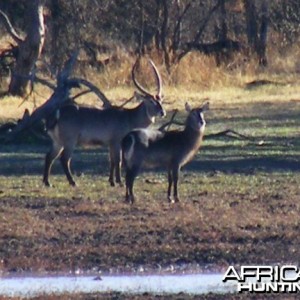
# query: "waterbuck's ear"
x,y
205,106
188,107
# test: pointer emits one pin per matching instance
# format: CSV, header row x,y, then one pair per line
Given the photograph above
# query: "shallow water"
x,y
157,284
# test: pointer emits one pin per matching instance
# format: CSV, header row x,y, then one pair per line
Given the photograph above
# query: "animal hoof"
x,y
172,201
129,199
47,184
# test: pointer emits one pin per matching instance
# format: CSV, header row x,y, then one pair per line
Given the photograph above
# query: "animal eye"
x,y
157,98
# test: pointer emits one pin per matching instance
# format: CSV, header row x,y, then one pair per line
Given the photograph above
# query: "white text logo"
x,y
265,279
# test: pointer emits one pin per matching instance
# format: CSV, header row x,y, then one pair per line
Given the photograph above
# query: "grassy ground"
x,y
239,198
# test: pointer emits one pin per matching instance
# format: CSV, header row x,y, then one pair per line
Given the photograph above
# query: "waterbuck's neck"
x,y
138,116
193,136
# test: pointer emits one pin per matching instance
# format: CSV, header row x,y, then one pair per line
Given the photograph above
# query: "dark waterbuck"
x,y
171,149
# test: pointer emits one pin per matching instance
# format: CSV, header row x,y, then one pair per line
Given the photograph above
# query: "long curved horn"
x,y
136,83
158,79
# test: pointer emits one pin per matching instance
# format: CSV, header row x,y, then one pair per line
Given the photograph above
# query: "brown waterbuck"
x,y
81,125
171,149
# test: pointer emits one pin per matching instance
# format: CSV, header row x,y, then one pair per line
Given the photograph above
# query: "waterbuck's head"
x,y
195,119
153,102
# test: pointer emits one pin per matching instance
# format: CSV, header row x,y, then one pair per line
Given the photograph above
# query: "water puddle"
x,y
155,284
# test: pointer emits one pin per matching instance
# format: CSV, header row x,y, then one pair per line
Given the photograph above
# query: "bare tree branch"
x,y
44,82
177,29
9,28
199,32
231,134
68,67
93,88
127,101
168,124
81,94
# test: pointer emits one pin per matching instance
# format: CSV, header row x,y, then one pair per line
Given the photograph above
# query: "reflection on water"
x,y
156,284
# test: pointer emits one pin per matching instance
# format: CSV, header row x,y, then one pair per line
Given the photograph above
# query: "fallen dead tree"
x,y
228,133
61,93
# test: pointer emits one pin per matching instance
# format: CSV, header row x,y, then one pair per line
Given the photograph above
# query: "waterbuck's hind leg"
x,y
129,198
175,181
49,160
131,173
173,174
66,161
170,181
47,169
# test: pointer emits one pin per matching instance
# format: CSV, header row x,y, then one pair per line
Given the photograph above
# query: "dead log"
x,y
60,95
229,133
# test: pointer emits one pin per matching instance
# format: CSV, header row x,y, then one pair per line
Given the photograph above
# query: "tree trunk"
x,y
251,23
261,51
141,42
221,34
157,21
29,49
257,35
164,34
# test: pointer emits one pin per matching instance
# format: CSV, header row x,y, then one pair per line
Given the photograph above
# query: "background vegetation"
x,y
198,44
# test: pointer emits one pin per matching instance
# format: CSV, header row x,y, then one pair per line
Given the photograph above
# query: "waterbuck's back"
x,y
90,125
177,147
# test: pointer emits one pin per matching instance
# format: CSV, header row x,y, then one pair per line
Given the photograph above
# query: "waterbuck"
x,y
81,125
171,149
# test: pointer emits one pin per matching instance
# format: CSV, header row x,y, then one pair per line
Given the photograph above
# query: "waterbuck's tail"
x,y
52,120
127,149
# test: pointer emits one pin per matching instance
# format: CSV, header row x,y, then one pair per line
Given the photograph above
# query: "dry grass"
x,y
175,97
195,79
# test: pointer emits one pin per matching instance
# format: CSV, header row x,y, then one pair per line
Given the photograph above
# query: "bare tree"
x,y
194,42
29,47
